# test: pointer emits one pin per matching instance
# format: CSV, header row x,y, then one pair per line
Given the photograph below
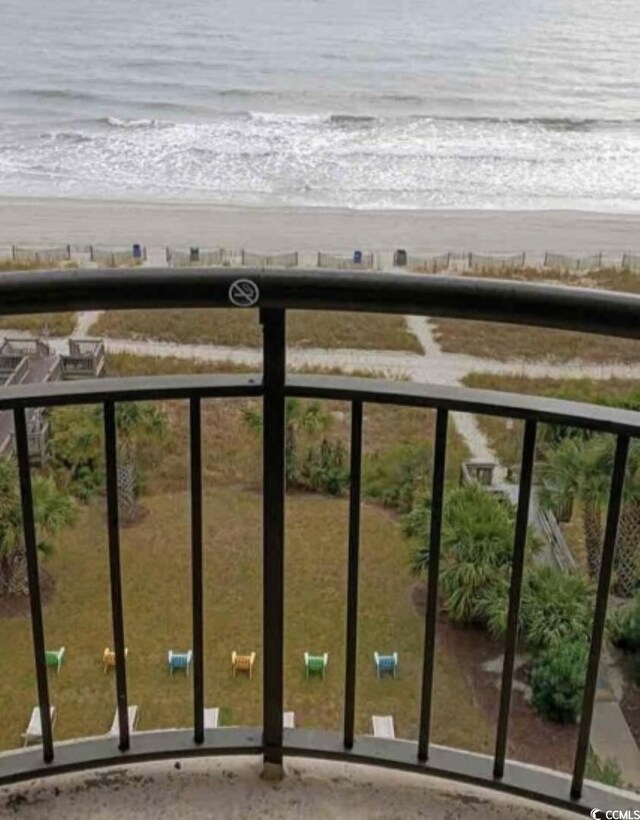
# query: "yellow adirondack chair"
x,y
109,658
242,663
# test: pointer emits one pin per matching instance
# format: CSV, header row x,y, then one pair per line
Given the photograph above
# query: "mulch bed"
x,y
531,738
17,606
630,705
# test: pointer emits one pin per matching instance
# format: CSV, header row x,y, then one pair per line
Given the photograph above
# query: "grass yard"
x,y
241,327
155,558
232,453
41,324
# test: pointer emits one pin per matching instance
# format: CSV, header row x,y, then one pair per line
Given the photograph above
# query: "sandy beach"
x,y
157,223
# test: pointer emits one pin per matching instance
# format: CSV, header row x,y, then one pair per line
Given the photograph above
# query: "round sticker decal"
x,y
244,293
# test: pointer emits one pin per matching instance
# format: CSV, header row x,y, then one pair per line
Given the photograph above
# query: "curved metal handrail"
x,y
598,417
477,299
552,306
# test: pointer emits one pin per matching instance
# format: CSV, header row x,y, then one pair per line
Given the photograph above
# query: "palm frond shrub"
x,y
623,626
556,606
54,509
476,553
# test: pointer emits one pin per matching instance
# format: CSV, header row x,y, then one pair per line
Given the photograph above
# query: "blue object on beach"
x,y
137,251
357,257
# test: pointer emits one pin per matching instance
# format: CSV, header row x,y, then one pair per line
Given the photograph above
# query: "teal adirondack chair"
x,y
179,660
53,658
316,664
386,663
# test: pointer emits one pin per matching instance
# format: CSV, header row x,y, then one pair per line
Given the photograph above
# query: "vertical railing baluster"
x,y
195,430
115,575
35,602
352,582
515,593
600,612
274,351
428,661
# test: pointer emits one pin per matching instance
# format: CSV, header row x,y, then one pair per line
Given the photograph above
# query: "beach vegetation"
x,y
54,510
77,449
557,681
226,326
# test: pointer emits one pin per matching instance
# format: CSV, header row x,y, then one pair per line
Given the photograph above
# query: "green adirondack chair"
x,y
53,657
316,664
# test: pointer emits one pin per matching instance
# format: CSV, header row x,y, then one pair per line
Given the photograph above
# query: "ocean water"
x,y
511,104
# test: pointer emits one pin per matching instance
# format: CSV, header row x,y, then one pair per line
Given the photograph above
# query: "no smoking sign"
x,y
244,293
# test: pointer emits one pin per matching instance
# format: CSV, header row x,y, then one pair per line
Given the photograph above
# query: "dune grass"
x,y
528,274
506,342
155,560
8,265
505,438
241,327
615,279
41,324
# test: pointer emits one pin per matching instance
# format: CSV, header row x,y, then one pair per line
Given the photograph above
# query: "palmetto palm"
x,y
53,510
477,547
578,470
300,417
582,470
78,440
138,424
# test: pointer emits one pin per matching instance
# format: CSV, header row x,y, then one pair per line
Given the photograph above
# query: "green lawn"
x,y
155,556
241,327
231,453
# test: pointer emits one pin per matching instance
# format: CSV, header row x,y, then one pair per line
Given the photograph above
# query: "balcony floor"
x,y
232,788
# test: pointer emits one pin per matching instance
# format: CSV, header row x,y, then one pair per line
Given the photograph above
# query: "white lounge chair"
x,y
33,733
132,715
211,718
289,720
383,726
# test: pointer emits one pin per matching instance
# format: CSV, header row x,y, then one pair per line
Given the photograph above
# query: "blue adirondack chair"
x,y
179,660
386,663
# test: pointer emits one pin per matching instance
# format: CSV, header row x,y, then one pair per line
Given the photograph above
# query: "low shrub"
x,y
624,626
607,771
557,681
399,476
324,469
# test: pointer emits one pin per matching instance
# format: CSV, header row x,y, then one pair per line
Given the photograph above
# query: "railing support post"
x,y
273,322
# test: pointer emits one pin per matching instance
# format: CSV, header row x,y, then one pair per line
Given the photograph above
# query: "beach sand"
x,y
55,221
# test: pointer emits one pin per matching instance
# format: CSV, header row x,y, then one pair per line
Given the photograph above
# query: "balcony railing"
x,y
274,293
